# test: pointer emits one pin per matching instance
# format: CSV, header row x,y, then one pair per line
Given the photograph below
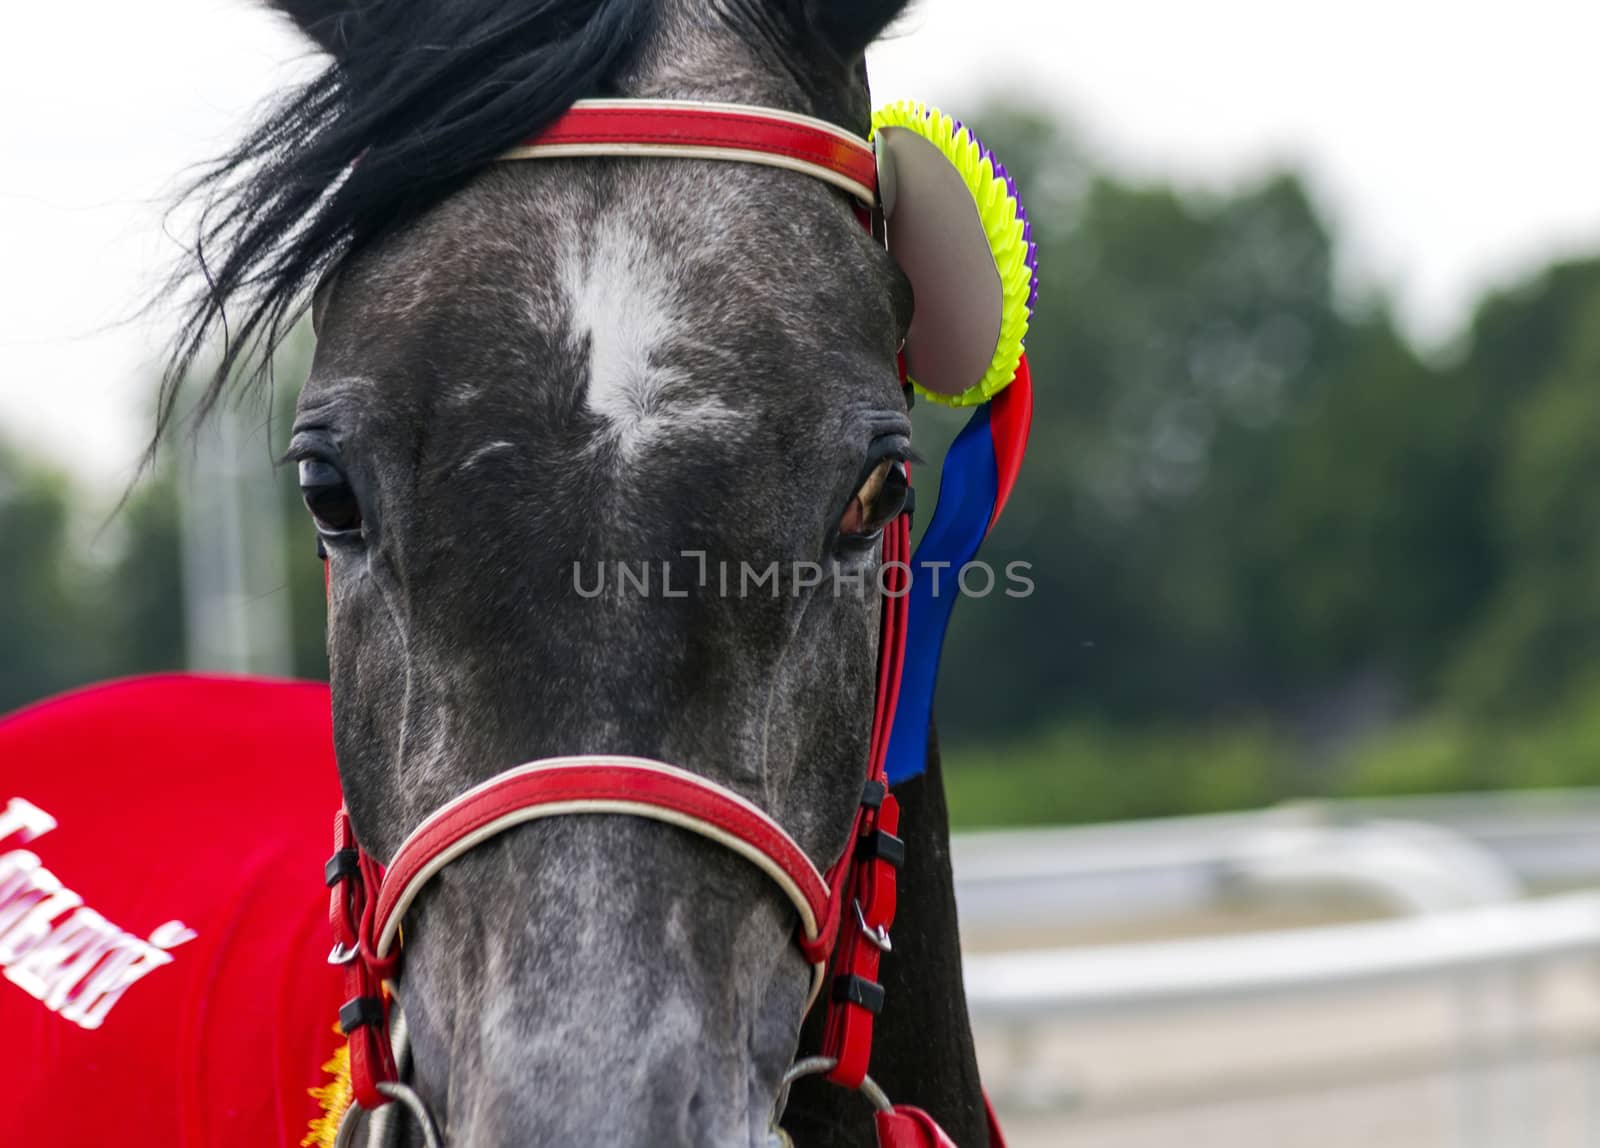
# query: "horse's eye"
x,y
329,497
879,501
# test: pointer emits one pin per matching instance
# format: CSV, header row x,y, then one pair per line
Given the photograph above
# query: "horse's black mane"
x,y
422,93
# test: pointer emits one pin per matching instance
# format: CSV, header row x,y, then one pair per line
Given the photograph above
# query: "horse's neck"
x,y
922,1052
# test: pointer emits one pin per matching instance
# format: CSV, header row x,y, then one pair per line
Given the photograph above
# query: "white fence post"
x,y
236,615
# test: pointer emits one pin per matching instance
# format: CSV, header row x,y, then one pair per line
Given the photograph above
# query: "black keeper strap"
x,y
881,846
873,793
358,1012
342,866
859,991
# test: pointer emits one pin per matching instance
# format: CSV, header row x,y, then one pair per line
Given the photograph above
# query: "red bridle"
x,y
845,915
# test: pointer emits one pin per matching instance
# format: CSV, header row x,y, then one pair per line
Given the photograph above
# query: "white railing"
x,y
1072,982
1453,869
1172,866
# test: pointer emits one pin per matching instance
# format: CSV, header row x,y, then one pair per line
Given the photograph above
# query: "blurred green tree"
x,y
1202,399
141,590
1533,371
46,635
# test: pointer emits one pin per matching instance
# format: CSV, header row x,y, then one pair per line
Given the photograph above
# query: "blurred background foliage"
x,y
1278,551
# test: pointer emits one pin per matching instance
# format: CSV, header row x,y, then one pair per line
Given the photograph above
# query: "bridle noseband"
x,y
846,914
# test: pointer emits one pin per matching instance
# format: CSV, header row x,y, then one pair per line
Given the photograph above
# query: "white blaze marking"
x,y
624,303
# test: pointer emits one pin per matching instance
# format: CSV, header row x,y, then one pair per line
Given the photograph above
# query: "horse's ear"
x,y
322,20
850,25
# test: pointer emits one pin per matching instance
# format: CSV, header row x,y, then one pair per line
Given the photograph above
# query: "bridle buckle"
x,y
876,934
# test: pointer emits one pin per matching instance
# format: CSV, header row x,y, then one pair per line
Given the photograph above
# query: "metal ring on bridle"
x,y
419,1111
816,1066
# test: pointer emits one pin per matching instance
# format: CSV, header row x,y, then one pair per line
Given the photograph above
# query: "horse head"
x,y
599,452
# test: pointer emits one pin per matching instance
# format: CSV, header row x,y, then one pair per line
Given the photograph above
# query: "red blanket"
x,y
163,924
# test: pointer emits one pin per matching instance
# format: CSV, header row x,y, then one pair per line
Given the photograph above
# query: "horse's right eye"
x,y
329,497
880,500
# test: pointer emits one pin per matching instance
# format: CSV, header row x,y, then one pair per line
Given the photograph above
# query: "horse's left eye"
x,y
879,501
329,497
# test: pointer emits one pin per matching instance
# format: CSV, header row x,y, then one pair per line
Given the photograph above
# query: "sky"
x,y
1449,143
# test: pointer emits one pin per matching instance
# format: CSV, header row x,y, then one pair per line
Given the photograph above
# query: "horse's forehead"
x,y
652,318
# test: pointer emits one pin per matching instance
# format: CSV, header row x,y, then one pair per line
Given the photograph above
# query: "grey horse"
x,y
524,371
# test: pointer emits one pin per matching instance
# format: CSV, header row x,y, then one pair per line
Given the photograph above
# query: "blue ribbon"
x,y
968,488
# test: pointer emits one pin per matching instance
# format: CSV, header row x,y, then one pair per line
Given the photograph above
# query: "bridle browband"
x,y
735,133
845,914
